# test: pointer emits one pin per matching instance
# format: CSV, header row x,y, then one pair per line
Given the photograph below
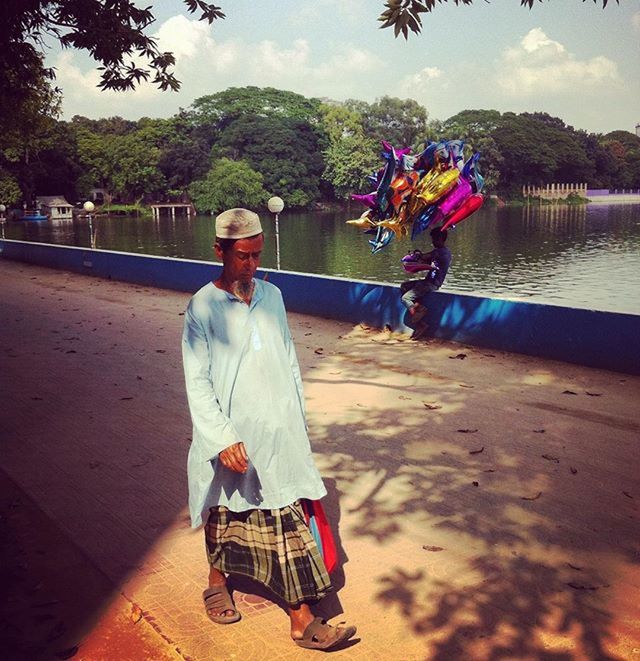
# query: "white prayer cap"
x,y
237,224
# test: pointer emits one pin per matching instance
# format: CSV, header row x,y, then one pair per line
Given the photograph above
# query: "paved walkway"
x,y
486,504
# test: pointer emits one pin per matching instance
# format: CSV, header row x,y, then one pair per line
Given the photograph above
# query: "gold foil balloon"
x,y
433,187
364,220
392,223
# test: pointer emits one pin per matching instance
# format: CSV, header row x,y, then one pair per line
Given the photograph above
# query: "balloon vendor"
x,y
436,264
436,188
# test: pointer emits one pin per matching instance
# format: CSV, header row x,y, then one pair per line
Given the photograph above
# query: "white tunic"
x,y
243,384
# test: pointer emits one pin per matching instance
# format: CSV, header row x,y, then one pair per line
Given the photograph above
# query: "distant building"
x,y
99,196
638,130
55,206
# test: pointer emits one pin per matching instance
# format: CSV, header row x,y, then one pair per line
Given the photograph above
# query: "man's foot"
x,y
219,605
319,635
301,617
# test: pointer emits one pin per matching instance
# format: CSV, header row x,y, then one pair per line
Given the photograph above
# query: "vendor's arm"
x,y
425,262
215,430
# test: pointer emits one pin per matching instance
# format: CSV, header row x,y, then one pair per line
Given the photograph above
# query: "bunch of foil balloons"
x,y
414,191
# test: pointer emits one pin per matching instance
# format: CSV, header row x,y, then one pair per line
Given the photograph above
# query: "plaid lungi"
x,y
274,547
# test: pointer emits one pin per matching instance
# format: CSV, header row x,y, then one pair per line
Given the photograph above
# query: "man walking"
x,y
250,460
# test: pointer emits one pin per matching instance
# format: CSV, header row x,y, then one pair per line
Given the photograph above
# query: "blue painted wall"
x,y
598,339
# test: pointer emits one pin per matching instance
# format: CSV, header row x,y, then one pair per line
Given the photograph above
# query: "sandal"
x,y
218,598
322,636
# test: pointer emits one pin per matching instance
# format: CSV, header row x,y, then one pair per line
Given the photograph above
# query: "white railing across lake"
x,y
554,191
562,191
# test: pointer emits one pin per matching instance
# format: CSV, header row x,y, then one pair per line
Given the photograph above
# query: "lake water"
x,y
580,256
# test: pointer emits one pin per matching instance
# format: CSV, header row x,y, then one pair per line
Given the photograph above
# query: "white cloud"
x,y
269,58
83,97
188,40
415,84
429,87
263,63
69,75
536,41
345,64
310,13
205,65
540,65
635,20
183,37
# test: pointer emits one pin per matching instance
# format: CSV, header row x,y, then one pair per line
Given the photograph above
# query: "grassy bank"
x,y
124,210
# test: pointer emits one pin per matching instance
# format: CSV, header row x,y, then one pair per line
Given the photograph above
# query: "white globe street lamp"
x,y
275,206
2,221
89,207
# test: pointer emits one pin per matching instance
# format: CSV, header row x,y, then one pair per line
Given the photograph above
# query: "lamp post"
x,y
275,206
2,220
89,206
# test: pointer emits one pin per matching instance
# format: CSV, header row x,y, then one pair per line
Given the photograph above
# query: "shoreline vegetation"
x,y
241,146
144,211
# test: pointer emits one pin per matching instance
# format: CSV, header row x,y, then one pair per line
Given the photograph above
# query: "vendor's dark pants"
x,y
413,290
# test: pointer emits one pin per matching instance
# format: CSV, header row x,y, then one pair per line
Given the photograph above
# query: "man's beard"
x,y
242,289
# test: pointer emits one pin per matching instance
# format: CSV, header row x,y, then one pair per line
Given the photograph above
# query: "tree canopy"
x,y
405,15
229,184
216,111
399,121
303,150
111,31
539,152
286,151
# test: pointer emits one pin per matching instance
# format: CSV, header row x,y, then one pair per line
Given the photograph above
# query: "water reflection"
x,y
584,256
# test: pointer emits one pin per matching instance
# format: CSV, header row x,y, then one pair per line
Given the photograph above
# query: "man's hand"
x,y
235,458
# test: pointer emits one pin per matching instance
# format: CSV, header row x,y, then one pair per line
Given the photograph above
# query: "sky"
x,y
573,60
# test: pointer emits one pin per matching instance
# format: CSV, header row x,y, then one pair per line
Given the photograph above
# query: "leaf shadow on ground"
x,y
526,581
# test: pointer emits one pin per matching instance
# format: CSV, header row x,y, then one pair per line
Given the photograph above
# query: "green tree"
x,y
538,151
137,156
184,157
55,168
216,111
351,155
10,192
348,162
96,156
111,31
121,157
402,122
338,121
286,151
597,153
28,113
228,184
623,151
476,128
473,123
